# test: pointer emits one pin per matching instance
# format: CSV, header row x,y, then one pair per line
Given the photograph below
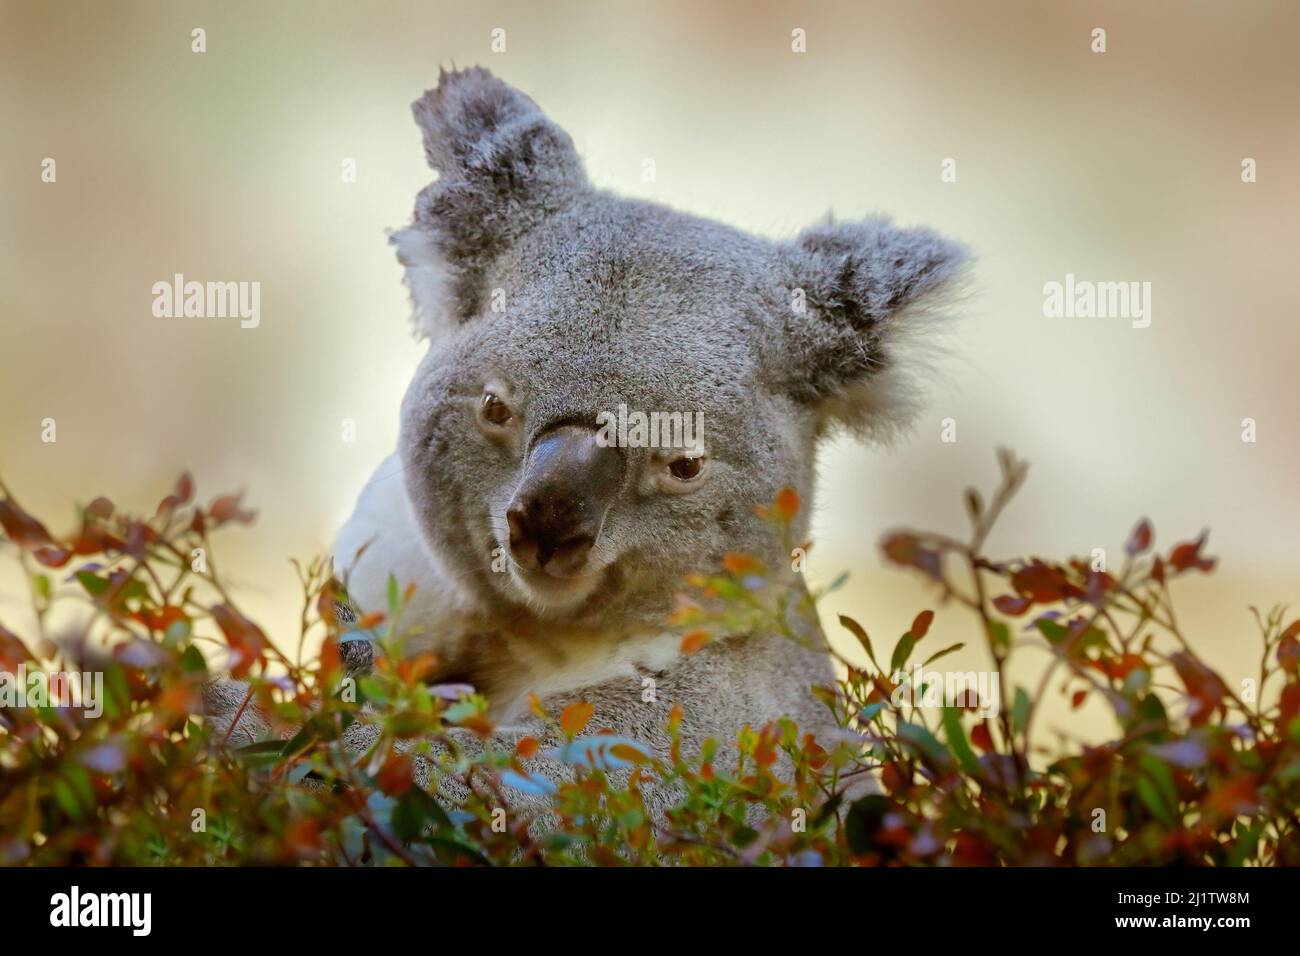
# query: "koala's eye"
x,y
683,475
686,468
495,411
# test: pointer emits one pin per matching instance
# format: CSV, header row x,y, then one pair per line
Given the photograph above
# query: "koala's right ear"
x,y
502,167
857,336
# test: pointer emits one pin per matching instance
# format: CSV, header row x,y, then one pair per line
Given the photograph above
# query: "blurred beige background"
x,y
226,165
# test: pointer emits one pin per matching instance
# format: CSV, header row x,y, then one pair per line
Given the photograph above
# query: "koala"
x,y
546,558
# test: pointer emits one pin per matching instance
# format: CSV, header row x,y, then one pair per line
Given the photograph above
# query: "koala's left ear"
x,y
858,326
503,166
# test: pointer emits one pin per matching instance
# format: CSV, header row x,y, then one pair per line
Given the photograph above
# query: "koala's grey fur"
x,y
611,301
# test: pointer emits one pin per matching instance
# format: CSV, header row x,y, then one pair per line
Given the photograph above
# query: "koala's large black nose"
x,y
557,512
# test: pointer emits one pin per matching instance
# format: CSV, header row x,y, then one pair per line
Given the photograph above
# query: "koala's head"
x,y
559,315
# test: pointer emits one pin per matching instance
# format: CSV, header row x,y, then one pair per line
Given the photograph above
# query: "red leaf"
x,y
741,563
575,717
139,536
12,651
693,641
1188,555
247,642
1204,686
1120,667
1236,797
971,850
395,776
52,557
161,618
1140,540
22,529
1041,582
1012,605
921,625
228,508
1288,649
817,756
787,504
101,509
906,550
179,497
331,660
1098,585
94,539
1290,705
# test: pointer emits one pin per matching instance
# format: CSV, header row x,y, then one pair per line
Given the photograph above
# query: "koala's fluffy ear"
x,y
502,167
859,326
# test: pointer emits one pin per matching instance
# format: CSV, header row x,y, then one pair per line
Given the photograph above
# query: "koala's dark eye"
x,y
495,411
686,469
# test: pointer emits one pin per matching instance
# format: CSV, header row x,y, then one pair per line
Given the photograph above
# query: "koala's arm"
x,y
731,683
382,538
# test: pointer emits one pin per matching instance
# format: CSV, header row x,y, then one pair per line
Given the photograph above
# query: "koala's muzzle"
x,y
557,512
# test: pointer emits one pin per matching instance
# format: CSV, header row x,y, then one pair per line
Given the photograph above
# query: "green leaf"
x,y
67,798
1157,772
372,690
857,631
921,740
177,631
828,809
728,589
298,741
1247,838
92,582
1021,706
192,661
902,651
956,735
457,848
1137,680
631,818
394,596
943,653
1152,711
414,811
1054,633
1149,794
117,693
73,791
864,820
262,748
999,635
